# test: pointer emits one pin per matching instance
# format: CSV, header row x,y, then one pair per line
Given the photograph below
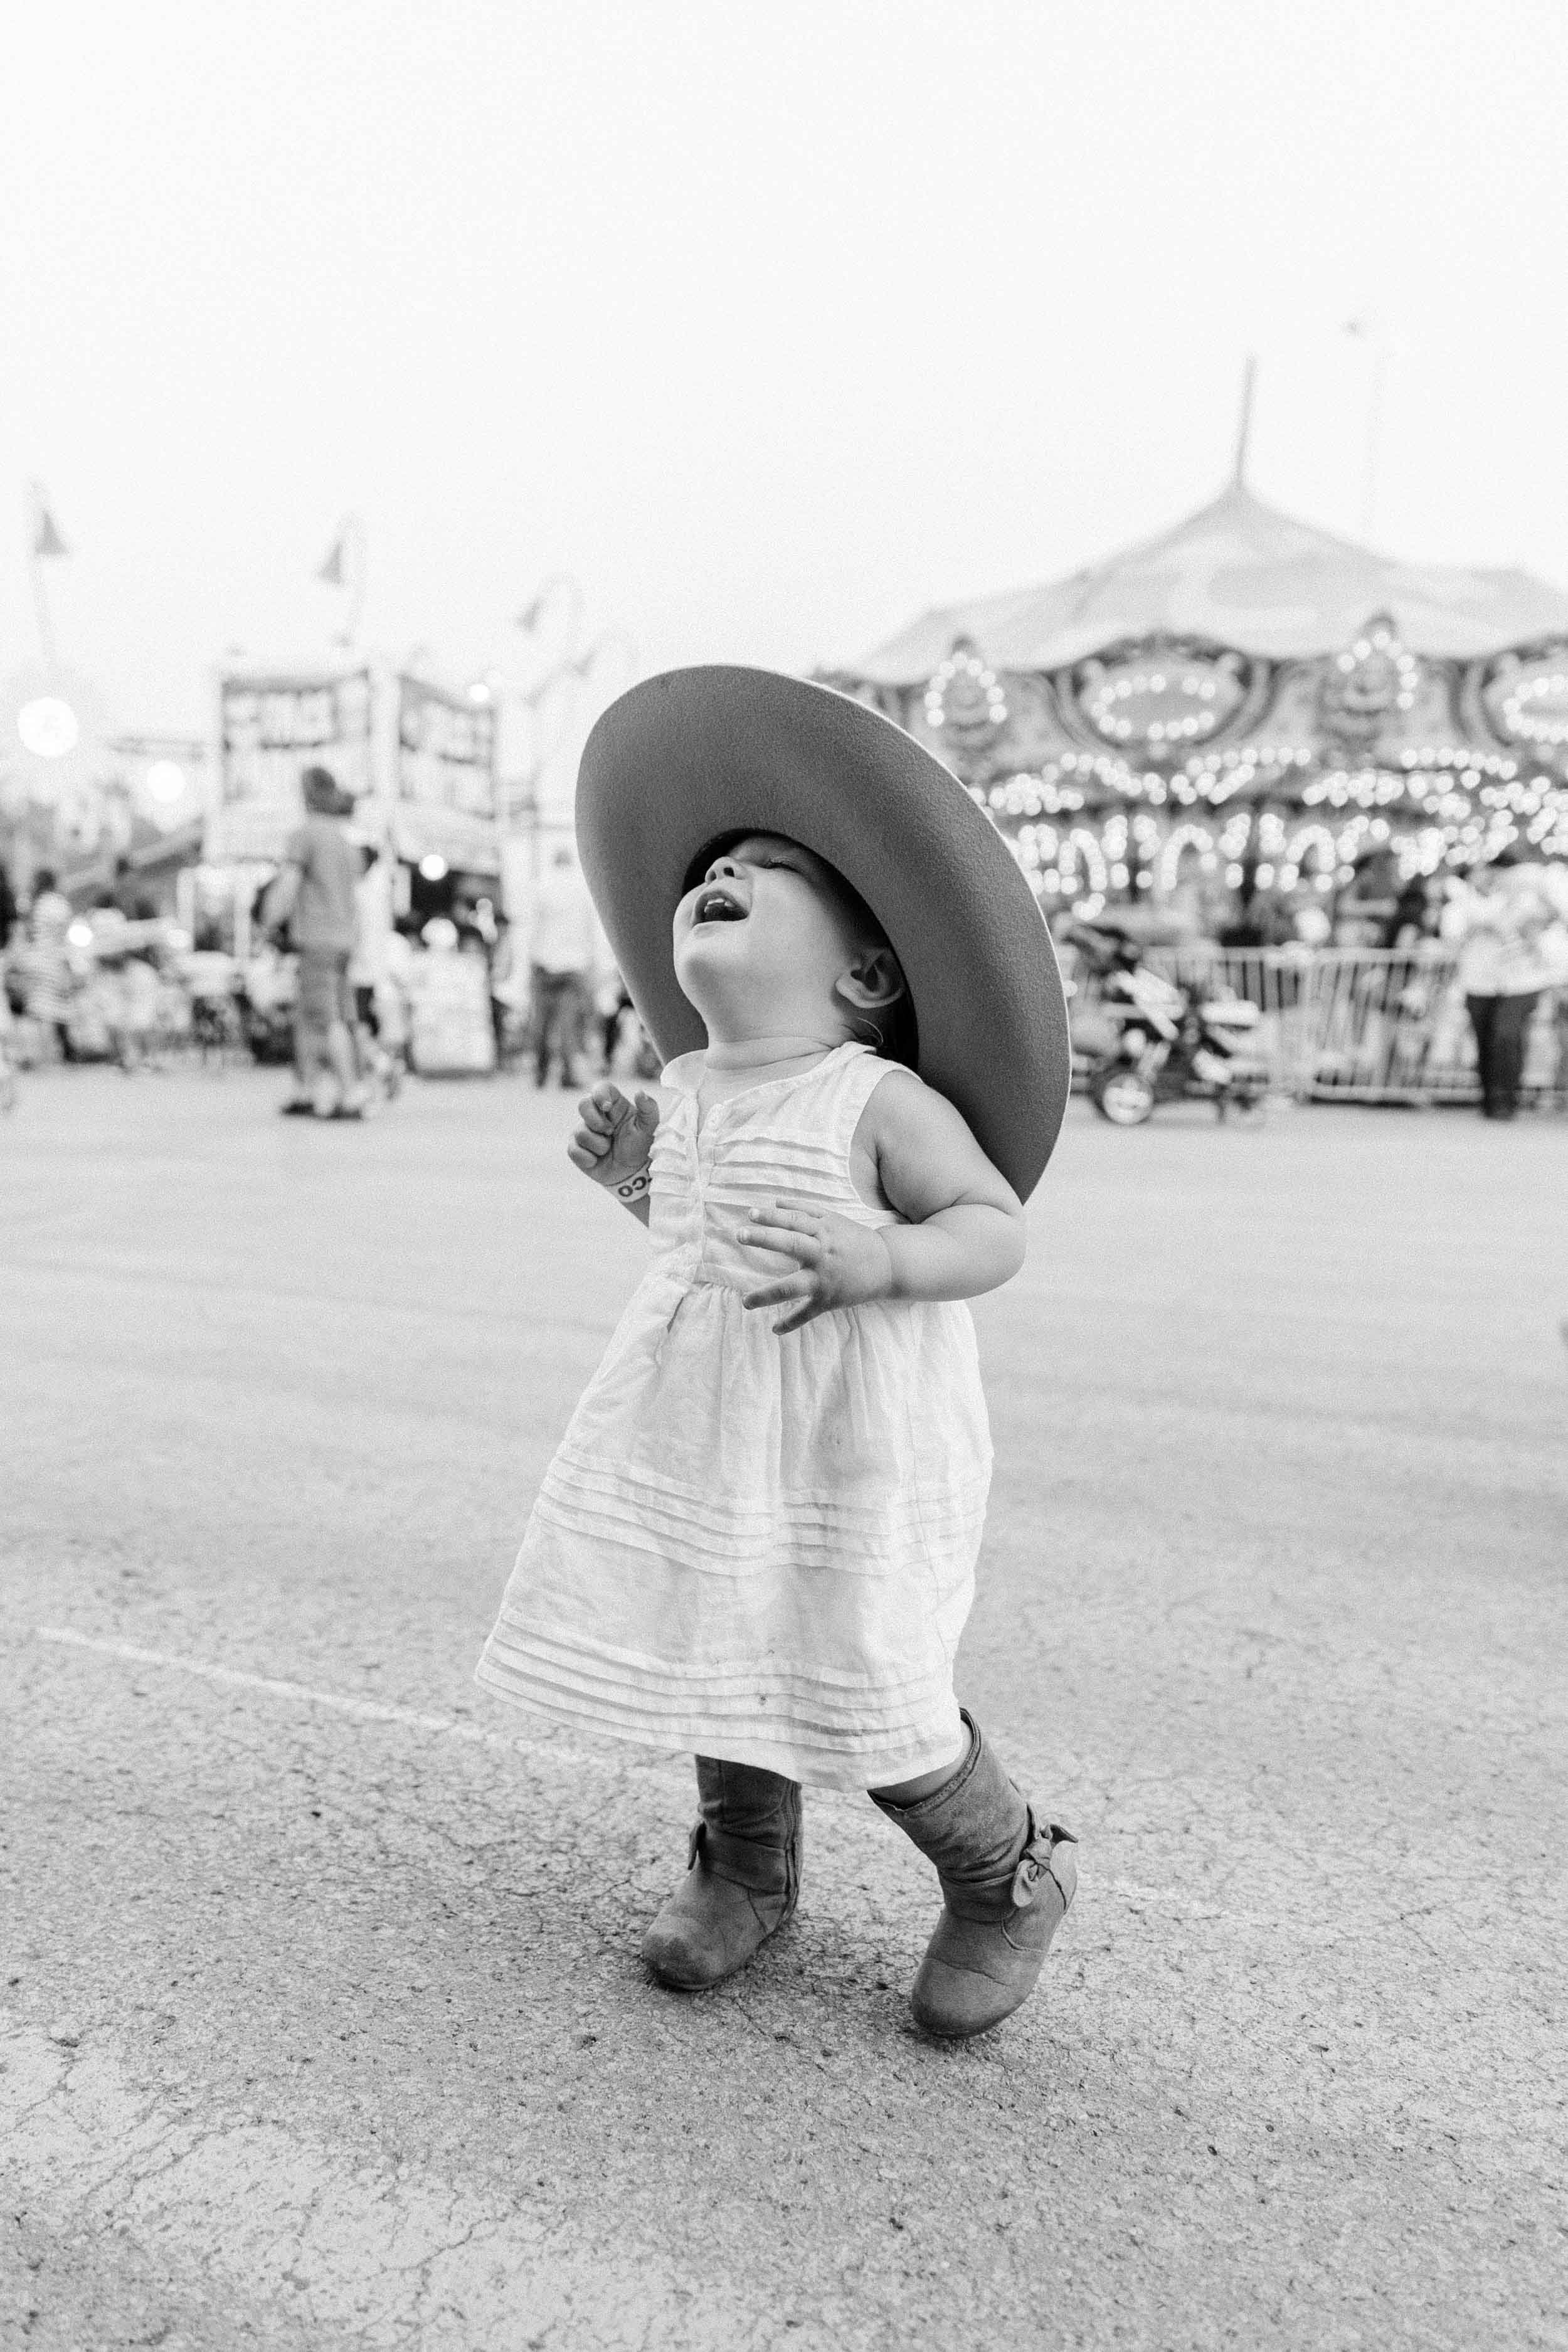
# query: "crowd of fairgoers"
x,y
1426,988
122,985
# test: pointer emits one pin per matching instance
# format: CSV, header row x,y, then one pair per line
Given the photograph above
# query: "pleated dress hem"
x,y
843,1763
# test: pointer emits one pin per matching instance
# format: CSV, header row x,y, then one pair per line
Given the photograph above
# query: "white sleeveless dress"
x,y
756,1548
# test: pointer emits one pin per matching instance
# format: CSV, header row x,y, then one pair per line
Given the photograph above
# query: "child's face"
x,y
762,939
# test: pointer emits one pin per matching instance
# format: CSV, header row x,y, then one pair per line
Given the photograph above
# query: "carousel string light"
x,y
964,664
1544,685
1382,641
1095,864
1026,795
1180,839
1464,797
1195,686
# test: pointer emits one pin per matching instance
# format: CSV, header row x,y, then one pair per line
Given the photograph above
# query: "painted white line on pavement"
x,y
377,1710
368,1710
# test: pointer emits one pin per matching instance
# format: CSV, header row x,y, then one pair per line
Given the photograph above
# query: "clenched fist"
x,y
615,1138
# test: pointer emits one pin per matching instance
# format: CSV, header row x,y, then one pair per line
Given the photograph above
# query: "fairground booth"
x,y
1248,699
419,760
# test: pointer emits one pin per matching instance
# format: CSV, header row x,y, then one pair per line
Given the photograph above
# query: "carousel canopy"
x,y
1239,573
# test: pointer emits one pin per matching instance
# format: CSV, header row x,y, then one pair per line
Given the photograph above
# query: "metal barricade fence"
x,y
1351,1025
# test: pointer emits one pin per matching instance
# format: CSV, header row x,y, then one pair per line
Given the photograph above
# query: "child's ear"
x,y
872,981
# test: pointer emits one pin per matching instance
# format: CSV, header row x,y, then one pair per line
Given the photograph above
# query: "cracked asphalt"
x,y
322,2019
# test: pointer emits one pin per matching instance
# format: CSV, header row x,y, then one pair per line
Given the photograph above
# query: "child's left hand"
x,y
837,1262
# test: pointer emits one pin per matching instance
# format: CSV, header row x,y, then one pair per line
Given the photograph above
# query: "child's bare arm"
x,y
966,1234
614,1143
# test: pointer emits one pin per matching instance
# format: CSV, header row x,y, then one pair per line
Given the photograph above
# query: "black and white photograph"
x,y
783,1176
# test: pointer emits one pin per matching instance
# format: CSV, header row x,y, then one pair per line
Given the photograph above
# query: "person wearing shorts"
x,y
315,895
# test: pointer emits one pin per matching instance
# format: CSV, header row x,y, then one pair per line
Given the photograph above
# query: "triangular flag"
x,y
332,571
47,540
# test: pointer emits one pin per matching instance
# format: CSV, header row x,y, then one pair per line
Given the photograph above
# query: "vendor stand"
x,y
444,829
272,724
419,760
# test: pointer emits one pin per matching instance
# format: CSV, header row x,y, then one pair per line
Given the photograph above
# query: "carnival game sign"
x,y
446,772
273,729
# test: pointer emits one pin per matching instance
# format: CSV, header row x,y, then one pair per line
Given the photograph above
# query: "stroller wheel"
x,y
1124,1096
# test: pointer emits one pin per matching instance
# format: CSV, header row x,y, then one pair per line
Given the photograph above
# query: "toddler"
x,y
757,1539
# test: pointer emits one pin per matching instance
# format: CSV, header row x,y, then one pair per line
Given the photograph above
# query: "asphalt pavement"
x,y
323,2024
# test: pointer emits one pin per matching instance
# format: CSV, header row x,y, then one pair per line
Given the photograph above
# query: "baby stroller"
x,y
1170,1044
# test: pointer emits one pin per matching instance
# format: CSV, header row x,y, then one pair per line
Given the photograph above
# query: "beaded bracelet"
x,y
634,1186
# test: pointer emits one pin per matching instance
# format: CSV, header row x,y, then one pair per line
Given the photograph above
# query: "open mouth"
x,y
717,905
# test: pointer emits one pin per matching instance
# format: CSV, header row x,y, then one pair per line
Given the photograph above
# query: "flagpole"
x,y
347,567
1244,420
36,512
359,580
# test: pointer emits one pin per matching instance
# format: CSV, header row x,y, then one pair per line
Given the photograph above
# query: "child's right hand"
x,y
615,1138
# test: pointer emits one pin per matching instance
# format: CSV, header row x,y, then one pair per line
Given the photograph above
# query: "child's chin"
x,y
708,951
715,983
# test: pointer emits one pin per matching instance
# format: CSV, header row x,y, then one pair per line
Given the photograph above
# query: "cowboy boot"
x,y
742,1876
1005,1883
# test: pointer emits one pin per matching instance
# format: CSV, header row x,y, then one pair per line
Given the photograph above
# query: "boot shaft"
x,y
979,1830
749,1829
741,1880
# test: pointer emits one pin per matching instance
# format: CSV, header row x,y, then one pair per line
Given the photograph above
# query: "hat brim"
x,y
696,756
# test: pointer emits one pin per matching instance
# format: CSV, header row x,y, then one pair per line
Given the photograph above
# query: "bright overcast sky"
x,y
773,324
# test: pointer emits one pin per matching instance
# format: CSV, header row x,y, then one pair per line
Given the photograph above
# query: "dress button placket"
x,y
700,1130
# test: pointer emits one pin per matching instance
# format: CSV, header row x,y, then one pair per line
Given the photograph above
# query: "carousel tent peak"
x,y
1236,572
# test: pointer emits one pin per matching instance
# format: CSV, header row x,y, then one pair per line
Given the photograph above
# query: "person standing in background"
x,y
368,965
49,982
1411,921
561,951
377,1032
1367,908
314,895
1510,923
508,987
50,908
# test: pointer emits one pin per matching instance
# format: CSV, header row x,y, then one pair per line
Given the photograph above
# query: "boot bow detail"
x,y
1037,1863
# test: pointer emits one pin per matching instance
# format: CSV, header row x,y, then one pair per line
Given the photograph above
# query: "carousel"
x,y
1246,703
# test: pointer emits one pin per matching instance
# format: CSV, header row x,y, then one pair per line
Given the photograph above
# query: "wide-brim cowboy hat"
x,y
695,758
